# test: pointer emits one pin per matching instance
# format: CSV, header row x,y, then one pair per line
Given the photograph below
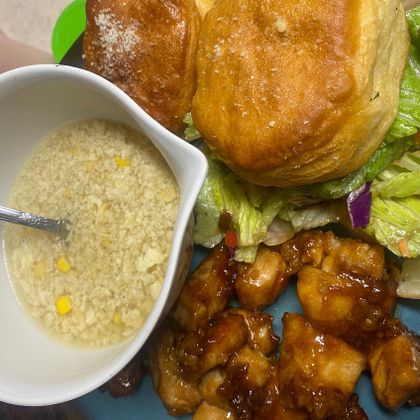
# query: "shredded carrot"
x,y
403,246
231,239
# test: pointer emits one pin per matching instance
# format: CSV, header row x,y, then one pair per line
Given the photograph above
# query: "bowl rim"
x,y
38,73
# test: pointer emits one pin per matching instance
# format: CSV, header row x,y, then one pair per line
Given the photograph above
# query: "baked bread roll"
x,y
292,92
147,48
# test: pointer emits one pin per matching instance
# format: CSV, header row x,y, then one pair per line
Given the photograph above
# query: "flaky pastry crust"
x,y
293,92
148,49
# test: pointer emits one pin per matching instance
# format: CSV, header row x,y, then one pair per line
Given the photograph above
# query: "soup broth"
x,y
121,200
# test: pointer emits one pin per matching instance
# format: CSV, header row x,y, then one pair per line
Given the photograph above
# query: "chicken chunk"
x,y
203,349
305,248
333,254
261,283
353,411
260,330
209,412
251,389
258,366
347,305
180,396
207,291
395,367
353,256
209,385
317,372
280,412
127,380
250,384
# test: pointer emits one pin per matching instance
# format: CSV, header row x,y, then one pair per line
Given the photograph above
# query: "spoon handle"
x,y
34,221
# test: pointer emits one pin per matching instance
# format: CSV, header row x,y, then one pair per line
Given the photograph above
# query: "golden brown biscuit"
x,y
147,48
293,92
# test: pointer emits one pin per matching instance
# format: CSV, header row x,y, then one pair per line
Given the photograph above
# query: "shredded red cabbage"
x,y
231,250
358,206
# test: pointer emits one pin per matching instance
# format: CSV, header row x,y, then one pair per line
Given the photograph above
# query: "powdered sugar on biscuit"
x,y
118,41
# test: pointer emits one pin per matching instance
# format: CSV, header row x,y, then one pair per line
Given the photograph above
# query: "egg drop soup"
x,y
121,199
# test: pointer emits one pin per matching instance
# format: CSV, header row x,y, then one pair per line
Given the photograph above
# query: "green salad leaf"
x,y
313,216
407,121
190,133
206,210
395,210
223,191
413,21
379,161
259,214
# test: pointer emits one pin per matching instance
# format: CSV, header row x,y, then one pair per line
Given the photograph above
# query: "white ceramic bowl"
x,y
34,100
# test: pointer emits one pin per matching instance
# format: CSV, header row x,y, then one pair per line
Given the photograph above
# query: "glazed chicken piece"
x,y
353,411
335,255
179,396
247,388
353,256
258,366
261,334
348,305
317,372
260,283
203,349
304,248
209,385
343,285
250,383
280,412
395,367
127,380
207,291
251,388
209,412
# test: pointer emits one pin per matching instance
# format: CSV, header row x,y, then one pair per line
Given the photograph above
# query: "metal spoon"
x,y
59,227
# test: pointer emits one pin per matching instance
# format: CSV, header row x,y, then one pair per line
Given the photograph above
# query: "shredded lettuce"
x,y
409,283
279,232
252,208
407,121
395,211
206,211
312,216
224,191
413,22
402,185
246,253
272,215
379,161
259,214
190,133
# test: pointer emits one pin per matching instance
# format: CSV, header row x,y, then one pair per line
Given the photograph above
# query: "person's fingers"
x,y
16,54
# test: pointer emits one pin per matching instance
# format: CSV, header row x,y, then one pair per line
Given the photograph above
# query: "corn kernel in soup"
x,y
121,199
